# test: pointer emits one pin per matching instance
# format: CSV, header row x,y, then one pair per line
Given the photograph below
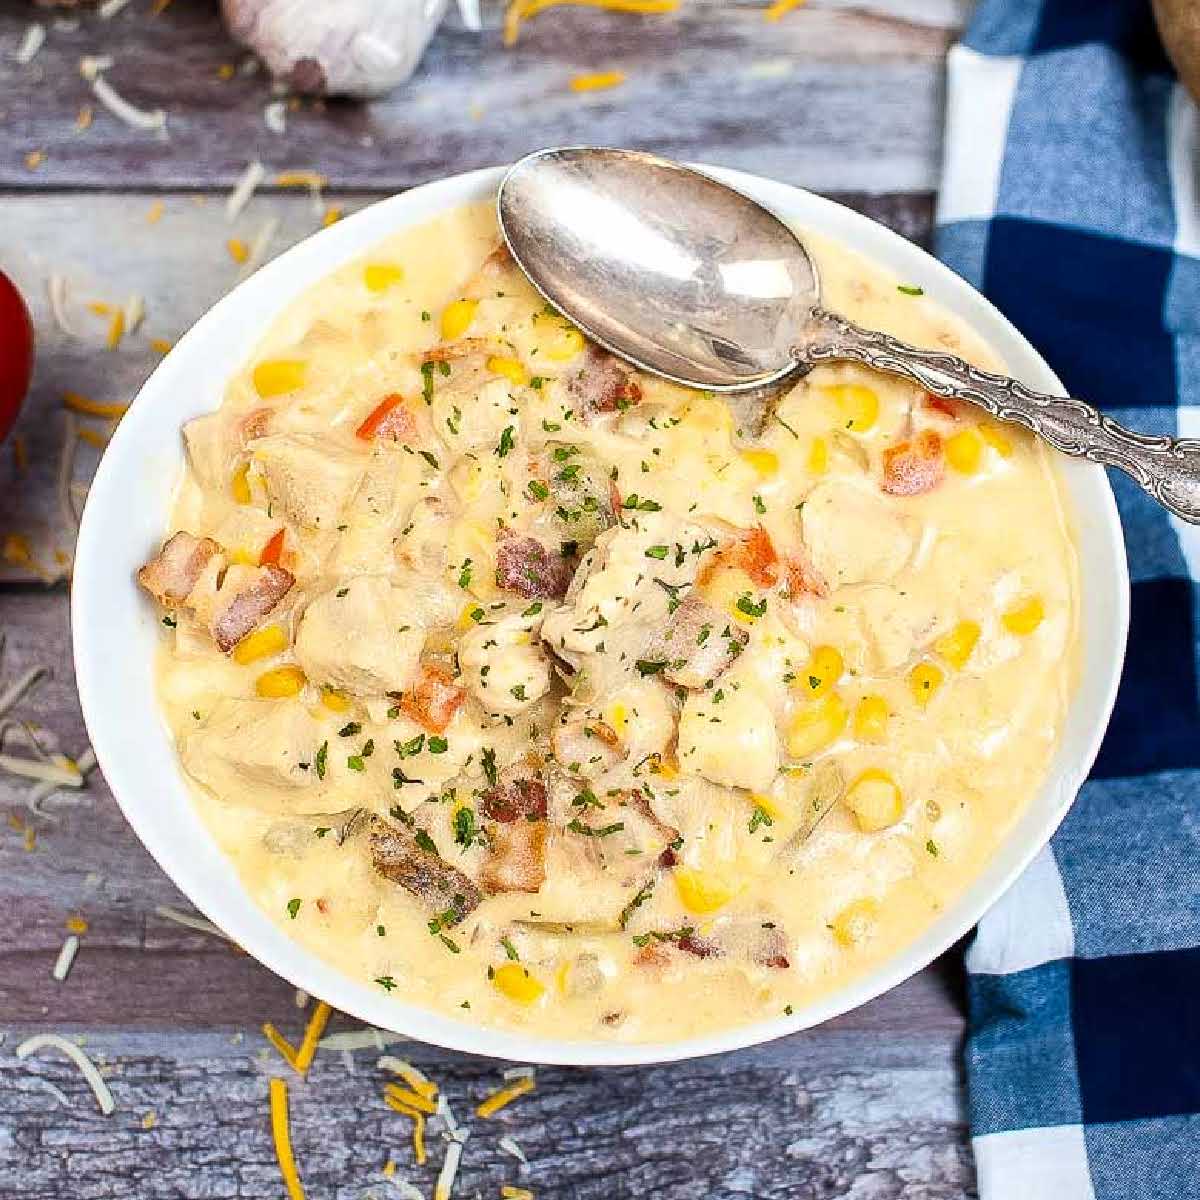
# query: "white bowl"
x,y
116,631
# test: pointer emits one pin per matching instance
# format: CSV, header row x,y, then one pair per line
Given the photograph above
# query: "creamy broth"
x,y
810,665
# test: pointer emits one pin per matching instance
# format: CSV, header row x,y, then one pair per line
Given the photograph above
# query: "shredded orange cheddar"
x,y
20,452
780,8
83,119
100,308
332,214
92,408
34,159
597,81
159,7
312,1035
412,1099
286,1050
520,11
76,924
504,1097
226,71
508,1192
155,213
283,1139
162,345
116,329
238,250
286,179
92,437
30,838
416,1081
16,550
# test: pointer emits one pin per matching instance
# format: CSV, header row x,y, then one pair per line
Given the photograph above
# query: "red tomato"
x,y
16,353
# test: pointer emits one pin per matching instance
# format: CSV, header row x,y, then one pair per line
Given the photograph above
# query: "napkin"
x,y
1071,198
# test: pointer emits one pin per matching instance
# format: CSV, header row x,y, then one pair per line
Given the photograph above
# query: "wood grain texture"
x,y
837,96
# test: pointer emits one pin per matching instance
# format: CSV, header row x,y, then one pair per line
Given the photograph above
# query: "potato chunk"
x,y
731,741
853,535
307,477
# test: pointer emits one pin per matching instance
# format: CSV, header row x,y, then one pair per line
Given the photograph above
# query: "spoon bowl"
x,y
661,264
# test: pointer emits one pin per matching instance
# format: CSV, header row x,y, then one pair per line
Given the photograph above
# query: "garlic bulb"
x,y
336,47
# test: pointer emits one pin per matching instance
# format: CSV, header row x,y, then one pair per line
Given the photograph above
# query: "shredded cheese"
x,y
249,179
110,8
472,17
84,117
417,1080
92,408
519,1073
87,1068
66,469
359,1039
312,1037
406,1190
286,1050
116,330
283,1139
20,688
238,250
77,924
332,214
162,345
135,312
92,437
34,159
298,179
780,8
31,43
504,1096
275,117
258,247
20,452
181,918
49,772
508,1192
511,1146
66,956
56,290
410,1098
520,11
155,212
130,114
597,81
445,1179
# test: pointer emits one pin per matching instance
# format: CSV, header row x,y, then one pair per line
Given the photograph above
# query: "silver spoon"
x,y
687,278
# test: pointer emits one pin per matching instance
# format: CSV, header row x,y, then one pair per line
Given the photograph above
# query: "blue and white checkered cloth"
x,y
1071,197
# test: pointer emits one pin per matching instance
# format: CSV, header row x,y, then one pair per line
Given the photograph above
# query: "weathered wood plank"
x,y
106,248
837,96
815,1124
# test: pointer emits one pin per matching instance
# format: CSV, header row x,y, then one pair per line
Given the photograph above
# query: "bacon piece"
x,y
525,566
586,747
700,947
914,466
695,645
666,834
255,424
433,699
753,552
516,860
248,606
443,889
491,274
172,573
452,351
602,384
954,409
389,418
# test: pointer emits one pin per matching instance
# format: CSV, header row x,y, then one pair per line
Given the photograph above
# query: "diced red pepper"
x,y
752,552
434,699
954,409
272,552
389,418
914,466
803,579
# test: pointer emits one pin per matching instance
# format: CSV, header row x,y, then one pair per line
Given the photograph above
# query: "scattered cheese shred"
x,y
34,159
76,924
155,212
780,8
312,1036
275,117
188,921
50,772
445,1179
511,1146
286,1050
332,214
110,8
31,43
66,956
56,290
100,308
283,1139
407,1096
504,1097
116,330
79,403
20,452
135,312
417,1080
162,345
300,179
149,1120
597,81
226,71
92,437
238,250
520,11
130,114
508,1192
52,1041
84,117
258,247
249,179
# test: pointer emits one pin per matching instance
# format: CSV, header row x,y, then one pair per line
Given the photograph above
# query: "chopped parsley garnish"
x,y
466,831
464,576
510,949
650,666
910,289
380,931
427,382
411,747
431,459
386,982
355,762
350,729
931,846
169,621
438,745
747,606
342,592
644,894
518,692
759,506
633,502
425,842
489,766
760,816
507,441
321,759
587,799
659,552
293,907
321,830
538,490
425,315
533,609
577,826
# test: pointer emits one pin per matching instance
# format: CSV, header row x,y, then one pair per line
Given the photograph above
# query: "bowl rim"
x,y
127,758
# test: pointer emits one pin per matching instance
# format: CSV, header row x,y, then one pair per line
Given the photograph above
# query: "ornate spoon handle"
x,y
1167,468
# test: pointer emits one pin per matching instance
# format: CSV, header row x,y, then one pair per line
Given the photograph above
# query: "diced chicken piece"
x,y
422,545
209,450
240,607
731,741
516,854
803,579
915,466
852,534
694,644
432,698
762,943
894,624
602,384
360,637
585,746
258,752
309,478
503,664
174,571
442,888
525,566
497,270
471,405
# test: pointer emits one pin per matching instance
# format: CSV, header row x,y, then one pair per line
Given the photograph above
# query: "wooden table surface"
x,y
842,96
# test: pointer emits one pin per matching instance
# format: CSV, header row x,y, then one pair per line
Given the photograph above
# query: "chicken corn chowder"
x,y
560,698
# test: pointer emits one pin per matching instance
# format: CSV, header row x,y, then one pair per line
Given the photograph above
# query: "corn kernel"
x,y
816,724
824,669
957,645
468,617
277,376
565,344
765,463
768,804
709,413
924,680
858,405
1025,617
818,456
856,922
262,643
510,368
240,487
239,556
474,540
964,451
515,982
618,718
702,892
334,700
874,799
562,977
380,276
665,768
280,683
996,438
457,317
870,719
